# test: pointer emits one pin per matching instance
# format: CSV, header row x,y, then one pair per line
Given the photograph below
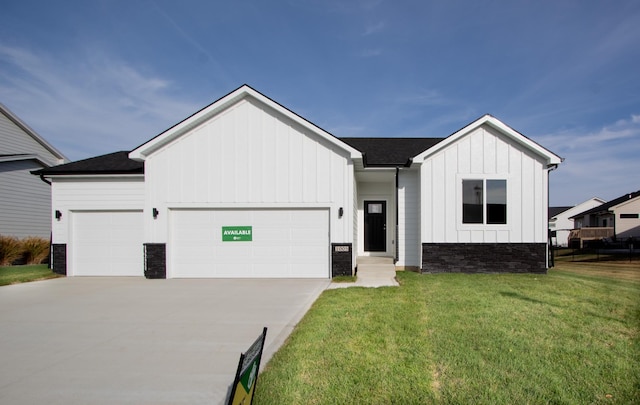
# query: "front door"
x,y
375,226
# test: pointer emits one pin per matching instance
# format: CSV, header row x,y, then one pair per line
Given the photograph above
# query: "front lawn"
x,y
23,274
566,337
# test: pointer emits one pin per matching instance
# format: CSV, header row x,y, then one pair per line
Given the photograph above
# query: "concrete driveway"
x,y
137,341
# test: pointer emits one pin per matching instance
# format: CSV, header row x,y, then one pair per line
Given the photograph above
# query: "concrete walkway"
x,y
119,340
373,272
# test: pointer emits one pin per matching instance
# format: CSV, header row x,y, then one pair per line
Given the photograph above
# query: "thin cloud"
x,y
371,29
98,106
370,53
595,159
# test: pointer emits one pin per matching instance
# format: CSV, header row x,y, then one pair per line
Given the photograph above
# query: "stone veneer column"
x,y
59,258
341,259
155,260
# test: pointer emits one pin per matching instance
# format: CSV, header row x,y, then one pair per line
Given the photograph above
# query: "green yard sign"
x,y
237,233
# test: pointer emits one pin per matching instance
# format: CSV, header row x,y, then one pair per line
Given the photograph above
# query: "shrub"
x,y
35,249
10,250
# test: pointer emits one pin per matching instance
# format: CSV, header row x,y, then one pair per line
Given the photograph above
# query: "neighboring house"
x,y
561,223
618,219
247,188
25,200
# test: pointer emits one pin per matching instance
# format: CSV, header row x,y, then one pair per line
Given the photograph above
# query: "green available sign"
x,y
237,233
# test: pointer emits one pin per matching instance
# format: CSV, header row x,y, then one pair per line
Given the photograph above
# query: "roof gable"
x,y
165,138
26,141
611,204
516,137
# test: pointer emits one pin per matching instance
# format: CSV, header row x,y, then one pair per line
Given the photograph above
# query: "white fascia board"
x,y
622,204
146,149
26,156
551,158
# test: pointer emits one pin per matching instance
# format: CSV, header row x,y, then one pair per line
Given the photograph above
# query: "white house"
x,y
621,215
247,188
25,201
561,221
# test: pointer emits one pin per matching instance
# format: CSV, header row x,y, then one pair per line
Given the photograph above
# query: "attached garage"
x,y
107,243
297,201
277,243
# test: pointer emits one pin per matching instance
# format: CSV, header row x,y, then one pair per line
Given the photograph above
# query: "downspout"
x,y
45,180
550,259
395,259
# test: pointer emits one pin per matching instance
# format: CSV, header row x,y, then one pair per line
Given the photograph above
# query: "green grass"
x,y
23,274
566,337
344,279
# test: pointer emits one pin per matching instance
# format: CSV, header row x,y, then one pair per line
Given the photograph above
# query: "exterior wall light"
x,y
155,213
58,215
340,212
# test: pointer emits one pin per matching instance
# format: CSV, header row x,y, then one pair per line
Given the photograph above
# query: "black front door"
x,y
375,226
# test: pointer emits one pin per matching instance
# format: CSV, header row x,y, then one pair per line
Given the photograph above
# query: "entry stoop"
x,y
376,271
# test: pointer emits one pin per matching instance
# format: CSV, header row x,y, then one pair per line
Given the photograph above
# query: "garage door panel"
x,y
285,243
107,243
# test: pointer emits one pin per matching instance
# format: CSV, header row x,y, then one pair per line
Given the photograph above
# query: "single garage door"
x,y
107,243
283,243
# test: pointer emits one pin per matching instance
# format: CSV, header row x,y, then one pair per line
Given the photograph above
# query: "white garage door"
x,y
107,243
284,243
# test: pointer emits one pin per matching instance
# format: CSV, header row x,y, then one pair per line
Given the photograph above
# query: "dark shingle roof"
x,y
112,163
605,207
553,211
390,151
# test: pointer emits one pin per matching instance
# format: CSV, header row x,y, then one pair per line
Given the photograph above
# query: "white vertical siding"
x,y
484,153
408,218
93,195
249,156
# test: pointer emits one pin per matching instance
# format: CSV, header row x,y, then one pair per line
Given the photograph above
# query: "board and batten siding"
x,y
484,154
249,156
93,194
25,201
408,218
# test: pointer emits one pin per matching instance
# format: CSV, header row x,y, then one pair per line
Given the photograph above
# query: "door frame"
x,y
381,232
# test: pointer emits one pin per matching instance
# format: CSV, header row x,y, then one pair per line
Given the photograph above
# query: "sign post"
x,y
244,385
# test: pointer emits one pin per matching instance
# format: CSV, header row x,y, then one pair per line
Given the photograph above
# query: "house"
x,y
561,223
25,201
247,188
618,219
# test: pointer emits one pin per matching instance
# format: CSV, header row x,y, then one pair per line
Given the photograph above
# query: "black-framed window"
x,y
484,201
629,216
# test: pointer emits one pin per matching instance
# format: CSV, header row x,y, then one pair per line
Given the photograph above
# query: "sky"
x,y
94,77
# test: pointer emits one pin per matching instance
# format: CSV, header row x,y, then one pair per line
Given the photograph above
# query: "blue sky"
x,y
93,77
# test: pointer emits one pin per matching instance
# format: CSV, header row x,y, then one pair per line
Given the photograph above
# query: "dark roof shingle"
x,y
389,152
112,163
553,211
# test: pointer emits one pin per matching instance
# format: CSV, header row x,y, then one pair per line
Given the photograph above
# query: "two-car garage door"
x,y
282,243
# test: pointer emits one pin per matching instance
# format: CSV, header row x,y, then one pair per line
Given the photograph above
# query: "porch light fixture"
x,y
155,213
58,215
340,212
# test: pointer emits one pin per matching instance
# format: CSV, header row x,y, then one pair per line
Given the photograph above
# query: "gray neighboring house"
x,y
25,200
